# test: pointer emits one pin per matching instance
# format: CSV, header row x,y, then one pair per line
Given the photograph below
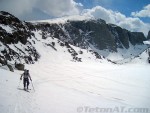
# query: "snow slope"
x,y
122,54
62,86
142,58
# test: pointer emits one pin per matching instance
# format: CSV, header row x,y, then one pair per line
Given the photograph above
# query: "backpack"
x,y
26,74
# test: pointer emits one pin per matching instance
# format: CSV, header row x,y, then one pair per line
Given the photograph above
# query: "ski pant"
x,y
26,81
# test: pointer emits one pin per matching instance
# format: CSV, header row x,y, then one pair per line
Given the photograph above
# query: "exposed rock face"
x,y
78,33
95,32
10,67
148,36
14,32
20,30
122,36
102,35
136,37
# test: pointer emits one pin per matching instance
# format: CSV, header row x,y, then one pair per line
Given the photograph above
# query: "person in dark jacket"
x,y
26,76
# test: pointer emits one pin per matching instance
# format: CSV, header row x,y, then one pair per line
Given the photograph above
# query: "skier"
x,y
26,77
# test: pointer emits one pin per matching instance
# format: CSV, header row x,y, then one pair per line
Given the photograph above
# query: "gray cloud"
x,y
17,7
54,8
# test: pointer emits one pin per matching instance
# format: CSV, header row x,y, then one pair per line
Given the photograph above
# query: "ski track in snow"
x,y
61,86
90,82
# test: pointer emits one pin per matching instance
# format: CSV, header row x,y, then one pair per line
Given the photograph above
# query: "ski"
x,y
24,89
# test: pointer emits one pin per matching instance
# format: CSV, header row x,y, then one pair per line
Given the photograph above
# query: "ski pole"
x,y
32,86
19,84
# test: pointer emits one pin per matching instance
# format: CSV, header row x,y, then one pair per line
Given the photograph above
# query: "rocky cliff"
x,y
95,32
148,36
16,37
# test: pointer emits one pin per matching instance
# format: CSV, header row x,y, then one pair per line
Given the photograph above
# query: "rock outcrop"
x,y
84,34
96,32
14,34
148,36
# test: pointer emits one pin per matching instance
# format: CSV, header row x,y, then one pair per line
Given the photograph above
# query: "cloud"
x,y
58,8
43,9
54,8
145,12
132,24
17,7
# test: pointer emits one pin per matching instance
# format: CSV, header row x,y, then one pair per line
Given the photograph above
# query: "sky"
x,y
133,15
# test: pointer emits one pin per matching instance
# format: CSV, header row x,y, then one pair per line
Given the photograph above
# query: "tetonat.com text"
x,y
120,109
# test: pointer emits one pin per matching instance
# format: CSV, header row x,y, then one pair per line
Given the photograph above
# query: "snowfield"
x,y
64,86
75,87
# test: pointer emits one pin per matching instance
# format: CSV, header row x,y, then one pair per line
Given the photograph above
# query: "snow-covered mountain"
x,y
20,42
69,62
96,34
